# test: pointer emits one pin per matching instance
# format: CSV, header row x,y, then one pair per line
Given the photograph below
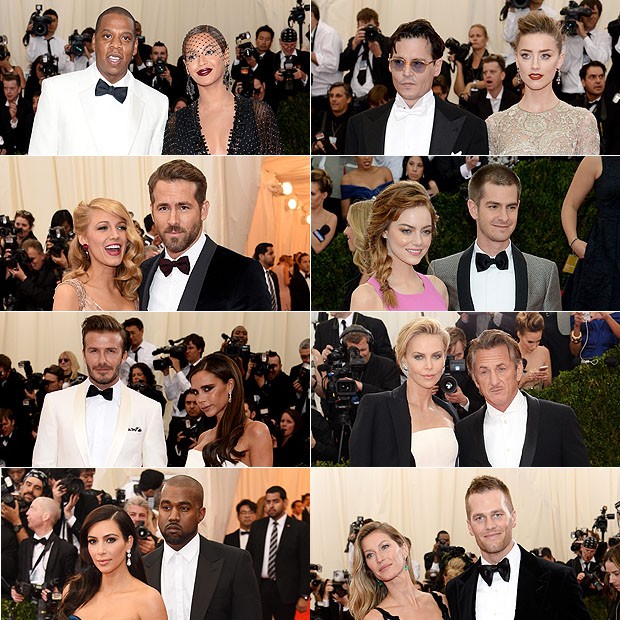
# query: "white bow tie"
x,y
402,113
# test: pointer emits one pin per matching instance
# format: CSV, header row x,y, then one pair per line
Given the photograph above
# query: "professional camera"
x,y
261,363
304,376
342,364
191,432
517,4
49,65
371,33
4,52
246,47
340,578
73,485
232,347
460,50
18,257
572,14
355,527
76,40
330,149
59,240
600,522
448,384
298,13
8,233
448,552
175,349
592,580
142,531
34,380
288,73
40,23
7,493
120,498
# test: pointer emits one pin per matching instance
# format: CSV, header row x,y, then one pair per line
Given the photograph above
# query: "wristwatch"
x,y
17,527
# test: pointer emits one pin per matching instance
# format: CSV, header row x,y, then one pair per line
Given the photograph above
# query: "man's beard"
x,y
108,376
177,245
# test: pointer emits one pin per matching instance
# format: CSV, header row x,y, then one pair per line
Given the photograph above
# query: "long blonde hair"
x,y
366,592
75,365
388,207
357,219
128,274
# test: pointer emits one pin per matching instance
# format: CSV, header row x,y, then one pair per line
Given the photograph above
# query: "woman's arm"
x,y
65,298
151,606
317,245
261,450
586,174
611,323
459,81
576,337
387,177
441,288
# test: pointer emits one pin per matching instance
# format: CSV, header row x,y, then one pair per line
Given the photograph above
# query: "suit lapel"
x,y
148,280
466,593
79,428
53,557
374,130
402,425
193,288
207,575
463,285
136,111
445,131
86,96
479,447
122,424
521,292
531,431
531,588
152,566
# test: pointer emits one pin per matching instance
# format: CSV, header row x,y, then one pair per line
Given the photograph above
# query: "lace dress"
x,y
85,301
563,130
254,131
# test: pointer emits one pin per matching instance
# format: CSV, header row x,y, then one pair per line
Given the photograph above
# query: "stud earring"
x,y
379,583
128,558
405,369
406,567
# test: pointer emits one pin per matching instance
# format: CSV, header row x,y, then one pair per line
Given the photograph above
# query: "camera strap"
x,y
46,548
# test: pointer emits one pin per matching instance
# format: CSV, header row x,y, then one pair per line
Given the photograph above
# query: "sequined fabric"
x,y
85,301
254,132
563,130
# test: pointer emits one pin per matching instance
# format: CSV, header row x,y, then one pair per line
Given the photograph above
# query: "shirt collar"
x,y
124,81
193,252
514,556
46,535
499,95
188,552
422,102
517,405
508,251
116,389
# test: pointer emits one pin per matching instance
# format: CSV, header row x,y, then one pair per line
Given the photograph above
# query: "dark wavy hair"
x,y
82,587
232,425
146,371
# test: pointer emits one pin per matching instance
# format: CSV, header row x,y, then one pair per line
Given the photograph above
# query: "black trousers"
x,y
271,603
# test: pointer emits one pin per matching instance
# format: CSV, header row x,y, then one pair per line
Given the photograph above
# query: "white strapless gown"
x,y
433,447
195,460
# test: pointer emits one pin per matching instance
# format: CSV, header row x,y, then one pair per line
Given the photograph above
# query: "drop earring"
x,y
190,88
230,397
519,80
558,78
85,248
128,558
227,78
405,369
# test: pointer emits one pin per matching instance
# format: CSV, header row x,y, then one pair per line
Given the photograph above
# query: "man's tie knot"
x,y
486,571
95,391
42,541
166,265
118,92
483,261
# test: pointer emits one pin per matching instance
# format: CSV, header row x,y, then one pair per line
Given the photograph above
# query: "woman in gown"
x,y
218,122
236,441
409,426
112,582
611,564
383,583
104,260
537,373
399,235
324,222
363,182
541,124
416,169
283,272
596,282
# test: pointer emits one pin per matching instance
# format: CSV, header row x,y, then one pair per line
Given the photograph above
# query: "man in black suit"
x,y
193,272
265,255
12,390
161,75
260,63
416,121
514,429
219,577
280,548
291,69
493,97
44,559
506,576
16,119
246,515
300,284
588,571
302,386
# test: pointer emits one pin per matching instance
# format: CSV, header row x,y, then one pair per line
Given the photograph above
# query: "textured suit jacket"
x,y
62,441
60,564
536,281
454,131
381,434
479,105
552,437
220,280
546,591
225,587
66,117
292,559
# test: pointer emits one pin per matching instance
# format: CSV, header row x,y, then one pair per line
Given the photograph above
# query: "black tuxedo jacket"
x,y
300,292
327,332
225,587
546,591
552,437
291,561
60,564
233,539
220,280
479,105
454,131
16,141
381,434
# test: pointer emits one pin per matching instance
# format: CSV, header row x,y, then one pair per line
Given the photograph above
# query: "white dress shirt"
x,y
362,90
264,573
144,353
495,101
174,386
37,576
578,52
504,432
499,601
166,292
493,287
37,46
243,538
178,577
326,45
101,421
409,130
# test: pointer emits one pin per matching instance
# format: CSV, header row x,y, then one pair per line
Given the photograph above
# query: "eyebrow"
x,y
104,536
524,49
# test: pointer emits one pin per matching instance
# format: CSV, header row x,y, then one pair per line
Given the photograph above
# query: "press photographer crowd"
x,y
260,79
355,83
232,407
439,387
49,545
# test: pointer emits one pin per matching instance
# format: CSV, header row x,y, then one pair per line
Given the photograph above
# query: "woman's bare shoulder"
x,y
365,297
150,603
373,614
256,430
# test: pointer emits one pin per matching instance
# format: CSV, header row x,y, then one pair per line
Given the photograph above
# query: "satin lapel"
x,y
521,279
531,589
463,285
122,424
207,576
479,447
374,131
402,424
136,112
152,566
86,96
531,431
148,280
53,558
79,421
445,132
192,291
466,596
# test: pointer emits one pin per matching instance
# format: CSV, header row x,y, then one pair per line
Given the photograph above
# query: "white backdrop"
x,y
242,212
550,503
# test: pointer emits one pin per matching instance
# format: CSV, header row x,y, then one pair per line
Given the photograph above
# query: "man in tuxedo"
x,y
102,110
44,559
507,578
198,578
16,118
416,121
493,97
300,284
291,68
246,515
266,256
280,549
185,429
514,429
100,422
193,272
492,273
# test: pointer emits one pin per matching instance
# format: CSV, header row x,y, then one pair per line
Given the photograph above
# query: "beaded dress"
x,y
85,301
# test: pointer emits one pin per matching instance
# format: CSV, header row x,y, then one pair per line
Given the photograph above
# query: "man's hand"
x,y
13,110
18,273
166,75
18,598
375,48
146,545
581,29
58,490
359,38
471,161
298,386
11,514
299,75
69,509
302,604
580,577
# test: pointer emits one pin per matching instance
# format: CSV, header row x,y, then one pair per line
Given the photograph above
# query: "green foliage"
x,y
597,607
591,390
18,611
293,122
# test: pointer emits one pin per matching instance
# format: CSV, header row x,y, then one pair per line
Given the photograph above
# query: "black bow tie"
x,y
486,571
243,533
118,92
95,391
483,262
167,265
43,541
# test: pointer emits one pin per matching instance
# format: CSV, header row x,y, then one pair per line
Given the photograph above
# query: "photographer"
x,y
142,379
588,571
16,442
159,74
468,61
330,129
142,516
300,376
584,42
292,68
81,50
47,42
259,59
16,118
331,596
11,388
433,559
